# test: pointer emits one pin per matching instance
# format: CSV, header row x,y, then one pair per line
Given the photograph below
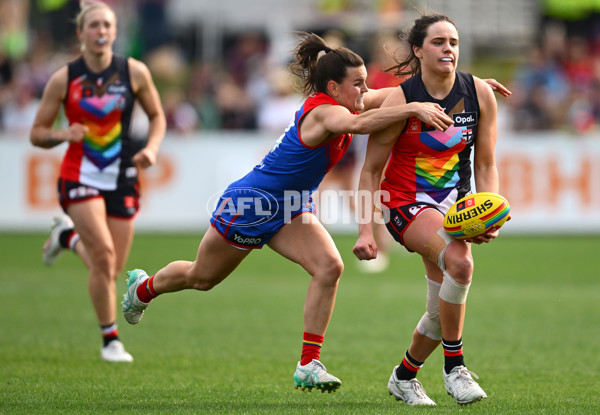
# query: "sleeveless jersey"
x,y
255,207
103,102
293,165
431,166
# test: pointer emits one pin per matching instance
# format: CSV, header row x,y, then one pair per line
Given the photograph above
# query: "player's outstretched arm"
x,y
497,87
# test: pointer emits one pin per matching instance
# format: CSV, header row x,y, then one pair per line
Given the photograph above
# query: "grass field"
x,y
532,334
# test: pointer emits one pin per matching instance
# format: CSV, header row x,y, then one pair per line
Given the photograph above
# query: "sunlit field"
x,y
532,334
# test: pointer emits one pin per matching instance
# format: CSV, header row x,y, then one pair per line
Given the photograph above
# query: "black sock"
x,y
409,367
453,355
109,333
64,236
108,339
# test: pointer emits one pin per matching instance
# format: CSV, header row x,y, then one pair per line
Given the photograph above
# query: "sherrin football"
x,y
476,214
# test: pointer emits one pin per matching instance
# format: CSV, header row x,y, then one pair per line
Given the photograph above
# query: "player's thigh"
x,y
216,258
306,242
421,229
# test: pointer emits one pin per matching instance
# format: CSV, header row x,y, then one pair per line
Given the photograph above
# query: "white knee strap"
x,y
429,325
453,292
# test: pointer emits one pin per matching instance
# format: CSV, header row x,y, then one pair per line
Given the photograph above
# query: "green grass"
x,y
532,334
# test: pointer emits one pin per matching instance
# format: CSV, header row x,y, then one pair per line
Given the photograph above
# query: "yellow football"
x,y
476,214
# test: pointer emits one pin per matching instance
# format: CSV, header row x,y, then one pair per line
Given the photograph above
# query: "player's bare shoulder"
x,y
485,92
57,84
319,124
396,97
139,73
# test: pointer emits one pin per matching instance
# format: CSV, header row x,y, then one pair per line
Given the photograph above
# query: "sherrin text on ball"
x,y
476,214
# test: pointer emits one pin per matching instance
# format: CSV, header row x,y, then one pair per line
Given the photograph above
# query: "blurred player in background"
x,y
426,173
272,204
98,184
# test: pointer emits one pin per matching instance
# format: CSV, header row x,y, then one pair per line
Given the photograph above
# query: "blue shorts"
x,y
248,217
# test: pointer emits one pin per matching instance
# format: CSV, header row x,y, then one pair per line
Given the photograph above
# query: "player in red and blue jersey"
x,y
286,177
98,183
272,204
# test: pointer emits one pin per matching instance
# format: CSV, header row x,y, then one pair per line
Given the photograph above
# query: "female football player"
x,y
428,171
98,184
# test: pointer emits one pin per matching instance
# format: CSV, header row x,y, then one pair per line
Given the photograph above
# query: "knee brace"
x,y
429,325
453,292
436,247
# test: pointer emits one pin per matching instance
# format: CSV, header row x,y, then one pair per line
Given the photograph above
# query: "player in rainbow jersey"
x,y
98,183
427,172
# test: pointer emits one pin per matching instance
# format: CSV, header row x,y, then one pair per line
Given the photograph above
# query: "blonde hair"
x,y
86,7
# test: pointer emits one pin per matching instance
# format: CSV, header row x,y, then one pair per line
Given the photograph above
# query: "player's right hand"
x,y
76,132
365,248
434,115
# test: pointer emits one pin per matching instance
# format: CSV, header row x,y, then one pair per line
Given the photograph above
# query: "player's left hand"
x,y
144,158
487,237
498,87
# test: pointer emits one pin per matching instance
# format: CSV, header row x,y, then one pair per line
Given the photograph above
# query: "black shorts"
x,y
121,203
398,219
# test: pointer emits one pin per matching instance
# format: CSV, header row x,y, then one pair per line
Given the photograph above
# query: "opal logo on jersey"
x,y
464,119
244,206
116,89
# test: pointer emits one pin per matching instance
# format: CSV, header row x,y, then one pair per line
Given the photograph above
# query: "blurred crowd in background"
x,y
555,80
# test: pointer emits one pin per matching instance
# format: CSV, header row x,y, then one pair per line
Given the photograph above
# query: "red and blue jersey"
x,y
293,165
255,207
